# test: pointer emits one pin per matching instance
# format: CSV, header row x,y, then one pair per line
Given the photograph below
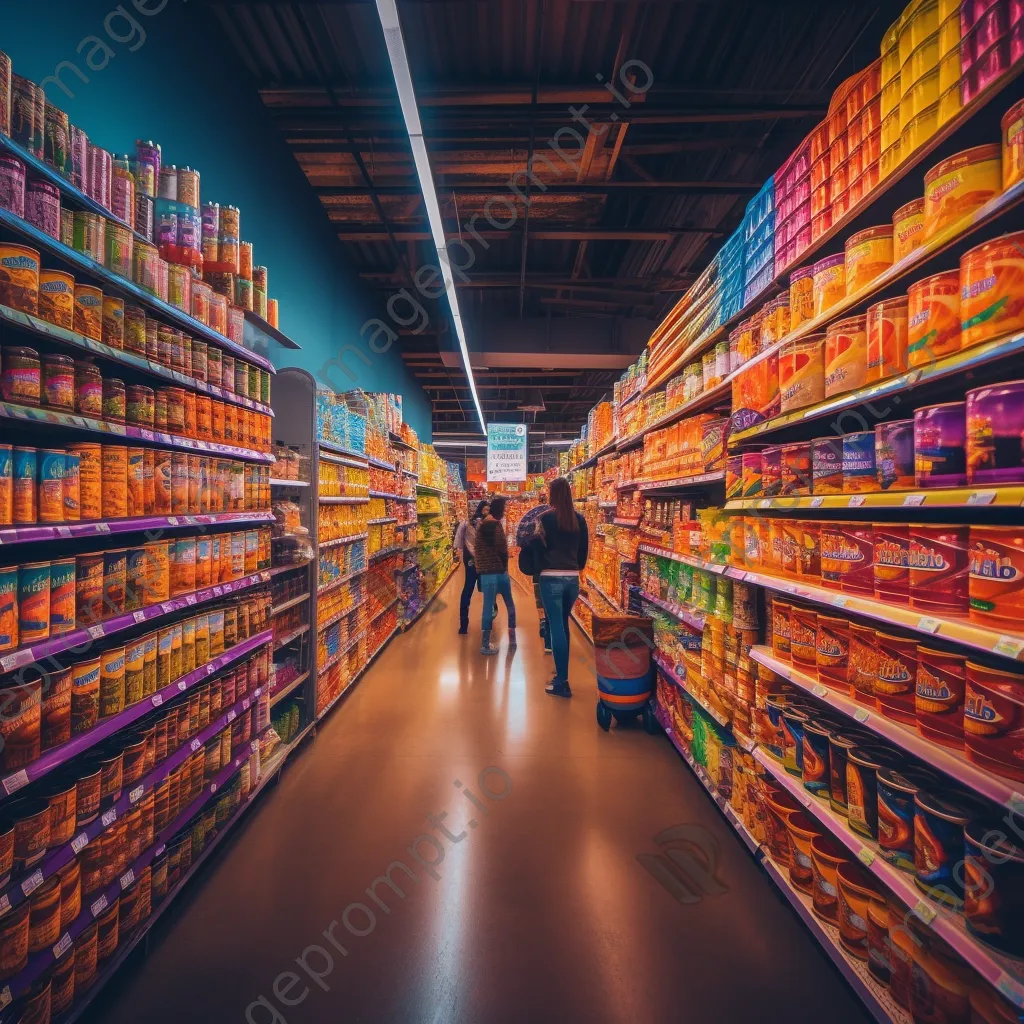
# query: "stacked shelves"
x,y
834,588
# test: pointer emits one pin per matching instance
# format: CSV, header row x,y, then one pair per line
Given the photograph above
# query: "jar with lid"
x,y
141,405
88,388
21,375
59,382
114,400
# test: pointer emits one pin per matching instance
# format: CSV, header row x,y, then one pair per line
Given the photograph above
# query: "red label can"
x,y
939,568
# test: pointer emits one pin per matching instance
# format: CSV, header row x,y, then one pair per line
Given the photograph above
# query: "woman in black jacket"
x,y
566,547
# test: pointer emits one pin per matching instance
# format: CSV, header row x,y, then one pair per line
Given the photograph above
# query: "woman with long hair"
x,y
491,553
465,541
567,545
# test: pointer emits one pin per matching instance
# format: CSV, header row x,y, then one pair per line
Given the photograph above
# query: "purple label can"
x,y
940,459
147,167
144,215
42,207
894,455
859,471
190,229
12,185
995,434
166,222
827,465
79,158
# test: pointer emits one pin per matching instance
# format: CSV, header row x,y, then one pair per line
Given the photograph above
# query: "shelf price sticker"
x,y
95,632
109,817
127,878
190,599
862,714
80,842
62,946
925,911
913,499
98,906
765,503
820,691
102,527
981,497
5,904
856,501
928,625
5,997
139,616
63,531
8,662
172,520
195,745
181,685
136,794
16,781
866,856
1009,645
231,716
158,699
30,884
817,502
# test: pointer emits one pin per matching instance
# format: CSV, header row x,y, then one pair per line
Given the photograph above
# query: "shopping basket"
x,y
624,668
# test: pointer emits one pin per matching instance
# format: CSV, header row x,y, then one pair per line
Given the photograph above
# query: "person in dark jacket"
x,y
566,546
465,541
491,554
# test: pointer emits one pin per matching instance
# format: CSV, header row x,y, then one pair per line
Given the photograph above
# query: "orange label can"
x,y
149,481
57,298
34,601
887,324
955,188
115,481
157,572
997,575
62,596
868,254
136,482
90,472
846,355
162,465
72,486
933,326
992,289
50,469
908,229
183,566
19,278
179,483
89,311
89,588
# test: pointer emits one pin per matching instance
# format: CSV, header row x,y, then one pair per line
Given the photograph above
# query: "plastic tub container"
x,y
889,160
956,187
918,130
992,289
934,324
920,95
868,254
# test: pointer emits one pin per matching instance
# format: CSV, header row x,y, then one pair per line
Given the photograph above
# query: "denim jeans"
x,y
559,594
469,567
495,583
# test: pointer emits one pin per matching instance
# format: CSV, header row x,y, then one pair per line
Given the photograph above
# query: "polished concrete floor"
x,y
539,909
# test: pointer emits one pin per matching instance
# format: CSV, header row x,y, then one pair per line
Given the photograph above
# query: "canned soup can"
x,y
995,434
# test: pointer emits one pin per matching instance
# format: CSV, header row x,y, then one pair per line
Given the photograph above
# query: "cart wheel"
x,y
604,716
651,723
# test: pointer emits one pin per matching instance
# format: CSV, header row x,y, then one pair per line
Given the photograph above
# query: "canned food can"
x,y
90,235
24,486
135,329
6,484
145,216
90,461
33,602
19,278
119,247
89,311
12,185
88,389
115,481
50,486
115,569
136,482
113,321
42,207
89,588
149,480
112,682
57,298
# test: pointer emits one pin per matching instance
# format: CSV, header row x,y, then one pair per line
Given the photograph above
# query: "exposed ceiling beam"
x,y
489,188
440,143
544,234
538,279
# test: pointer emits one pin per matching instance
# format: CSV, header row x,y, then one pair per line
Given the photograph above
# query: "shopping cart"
x,y
625,671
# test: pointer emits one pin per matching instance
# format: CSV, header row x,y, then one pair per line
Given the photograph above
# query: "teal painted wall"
x,y
159,76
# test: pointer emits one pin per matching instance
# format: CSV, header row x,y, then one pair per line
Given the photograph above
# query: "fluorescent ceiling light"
x,y
562,444
387,11
459,444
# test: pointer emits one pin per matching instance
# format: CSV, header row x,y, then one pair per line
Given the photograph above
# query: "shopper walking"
x,y
567,545
491,554
465,542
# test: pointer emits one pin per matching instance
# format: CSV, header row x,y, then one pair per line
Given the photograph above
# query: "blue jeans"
x,y
495,583
559,594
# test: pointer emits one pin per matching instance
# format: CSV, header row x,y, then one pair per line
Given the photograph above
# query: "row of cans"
x,y
43,599
90,482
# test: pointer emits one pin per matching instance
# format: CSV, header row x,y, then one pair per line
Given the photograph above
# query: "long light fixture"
x,y
458,444
387,11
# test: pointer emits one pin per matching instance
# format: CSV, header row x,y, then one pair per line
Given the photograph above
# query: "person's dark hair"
x,y
479,510
560,498
497,508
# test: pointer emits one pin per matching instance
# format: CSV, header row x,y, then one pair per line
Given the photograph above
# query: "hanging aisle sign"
x,y
506,452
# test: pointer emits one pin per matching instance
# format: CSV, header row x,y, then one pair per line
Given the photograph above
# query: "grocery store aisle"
x,y
528,907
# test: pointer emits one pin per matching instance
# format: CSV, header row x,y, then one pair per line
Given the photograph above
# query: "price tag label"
x,y
765,503
820,691
127,878
191,520
254,745
981,497
95,632
158,699
147,435
190,599
181,685
159,852
109,817
1008,645
1011,988
16,781
256,692
856,500
30,884
195,745
80,842
866,856
929,625
913,499
5,904
817,502
925,911
213,787
63,531
5,997
862,714
98,906
62,947
172,520
245,704
218,591
8,662
139,616
231,716
840,601
102,527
